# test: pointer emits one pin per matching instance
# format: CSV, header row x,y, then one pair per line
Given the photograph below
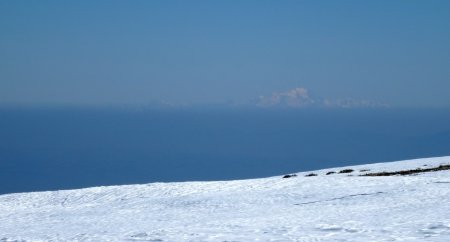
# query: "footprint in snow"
x,y
435,229
144,236
334,228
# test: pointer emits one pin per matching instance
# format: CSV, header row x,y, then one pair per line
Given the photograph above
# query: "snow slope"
x,y
334,207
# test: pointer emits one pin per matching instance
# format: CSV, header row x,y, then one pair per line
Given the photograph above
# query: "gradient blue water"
x,y
48,149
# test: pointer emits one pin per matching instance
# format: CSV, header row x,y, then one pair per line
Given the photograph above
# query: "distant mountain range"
x,y
299,98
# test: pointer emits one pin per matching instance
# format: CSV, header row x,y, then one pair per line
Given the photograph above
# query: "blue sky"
x,y
201,52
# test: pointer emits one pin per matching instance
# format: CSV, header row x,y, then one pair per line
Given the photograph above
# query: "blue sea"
x,y
65,148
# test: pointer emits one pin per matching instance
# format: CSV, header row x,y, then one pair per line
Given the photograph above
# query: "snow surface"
x,y
334,207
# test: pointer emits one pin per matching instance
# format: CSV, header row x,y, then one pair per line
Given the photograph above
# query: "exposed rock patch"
x,y
408,172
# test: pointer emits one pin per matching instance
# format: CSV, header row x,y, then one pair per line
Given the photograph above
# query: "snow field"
x,y
337,207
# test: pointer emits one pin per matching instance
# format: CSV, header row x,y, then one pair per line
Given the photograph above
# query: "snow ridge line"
x,y
340,198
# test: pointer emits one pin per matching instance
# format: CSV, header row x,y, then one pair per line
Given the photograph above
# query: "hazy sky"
x,y
128,52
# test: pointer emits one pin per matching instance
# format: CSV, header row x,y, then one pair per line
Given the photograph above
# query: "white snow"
x,y
334,207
